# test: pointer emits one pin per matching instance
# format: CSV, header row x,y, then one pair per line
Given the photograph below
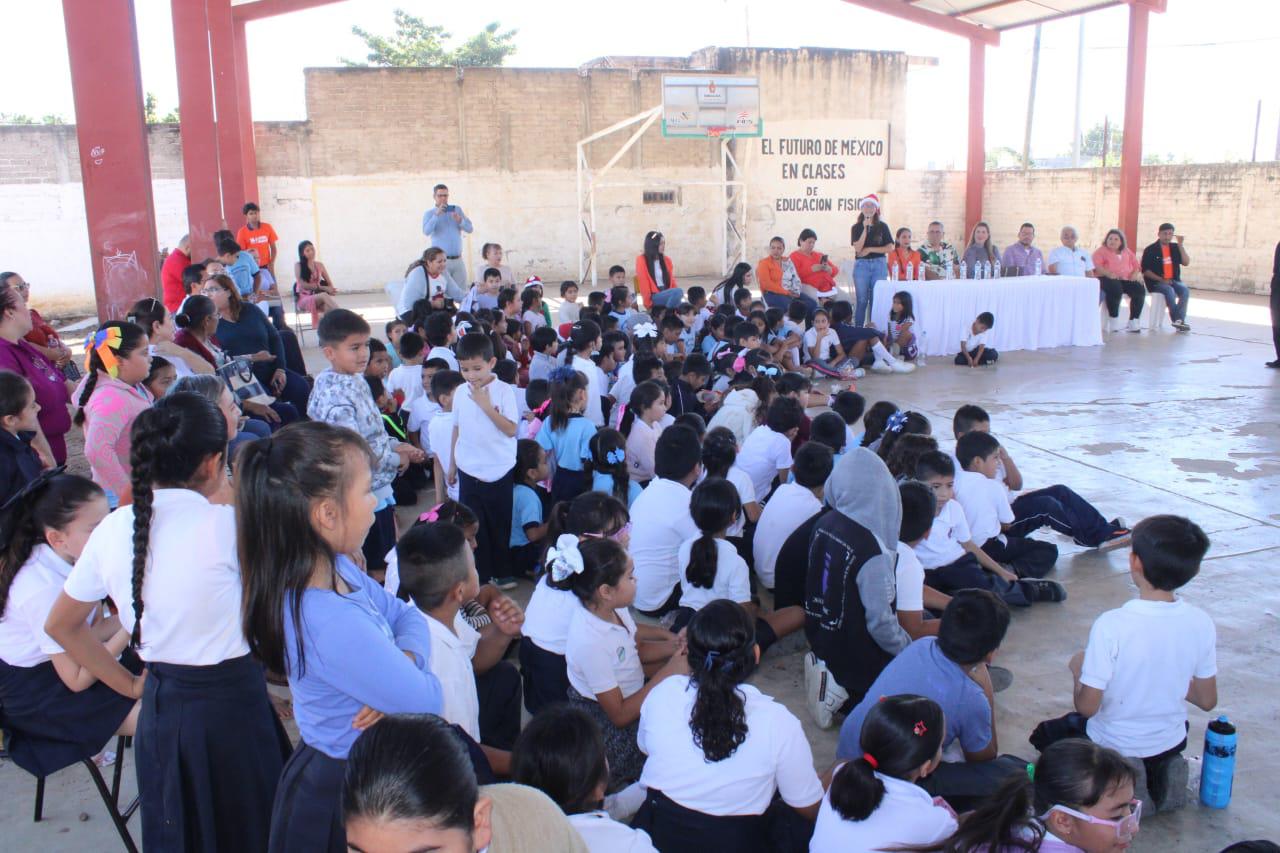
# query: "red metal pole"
x,y
226,98
976,167
115,165
248,153
1134,93
195,107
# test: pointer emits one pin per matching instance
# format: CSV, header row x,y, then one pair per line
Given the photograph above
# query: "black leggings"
x,y
1114,288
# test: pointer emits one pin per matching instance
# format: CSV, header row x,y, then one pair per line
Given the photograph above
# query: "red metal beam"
x,y
199,143
1134,94
115,164
976,166
248,150
916,15
226,96
270,8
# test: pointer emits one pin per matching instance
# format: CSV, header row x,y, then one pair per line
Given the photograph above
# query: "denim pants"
x,y
1063,510
669,298
1170,289
866,272
782,301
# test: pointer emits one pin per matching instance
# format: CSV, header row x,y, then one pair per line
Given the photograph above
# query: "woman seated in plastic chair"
x,y
313,288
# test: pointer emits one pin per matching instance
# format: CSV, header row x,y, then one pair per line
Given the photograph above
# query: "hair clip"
x,y
919,728
561,374
770,370
104,342
709,661
564,558
871,759
739,364
541,410
896,421
462,328
616,457
432,514
645,330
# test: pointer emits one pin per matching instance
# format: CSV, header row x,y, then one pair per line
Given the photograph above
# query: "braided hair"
x,y
722,655
132,336
169,444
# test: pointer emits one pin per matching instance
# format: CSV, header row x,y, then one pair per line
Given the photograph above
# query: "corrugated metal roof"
x,y
1006,14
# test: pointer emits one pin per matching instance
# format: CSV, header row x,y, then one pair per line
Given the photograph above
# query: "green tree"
x,y
52,118
149,109
1093,143
171,117
419,44
16,118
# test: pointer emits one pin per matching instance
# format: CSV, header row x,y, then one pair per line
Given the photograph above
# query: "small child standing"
x,y
341,397
440,433
566,433
609,469
530,508
902,320
569,307
19,463
974,350
642,425
584,339
1145,660
405,382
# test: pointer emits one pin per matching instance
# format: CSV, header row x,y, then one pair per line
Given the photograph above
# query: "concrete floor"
x,y
1165,423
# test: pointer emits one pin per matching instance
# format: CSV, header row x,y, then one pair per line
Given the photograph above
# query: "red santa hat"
x,y
873,198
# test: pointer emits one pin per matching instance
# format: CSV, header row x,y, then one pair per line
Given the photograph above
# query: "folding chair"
x,y
298,328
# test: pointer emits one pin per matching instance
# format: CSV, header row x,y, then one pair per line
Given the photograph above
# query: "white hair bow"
x,y
564,558
645,330
463,327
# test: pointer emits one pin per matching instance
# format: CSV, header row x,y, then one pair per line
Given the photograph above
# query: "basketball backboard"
x,y
710,105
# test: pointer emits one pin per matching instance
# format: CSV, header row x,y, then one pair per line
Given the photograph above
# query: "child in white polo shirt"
x,y
919,506
661,520
974,349
606,652
766,454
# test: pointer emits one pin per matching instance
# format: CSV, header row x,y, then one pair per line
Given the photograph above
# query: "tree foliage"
x,y
416,43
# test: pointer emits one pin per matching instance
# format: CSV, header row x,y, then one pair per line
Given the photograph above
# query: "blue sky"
x,y
1210,62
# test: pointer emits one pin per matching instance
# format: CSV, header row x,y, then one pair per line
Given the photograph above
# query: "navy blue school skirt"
x,y
765,635
307,814
567,484
676,829
545,675
51,726
209,751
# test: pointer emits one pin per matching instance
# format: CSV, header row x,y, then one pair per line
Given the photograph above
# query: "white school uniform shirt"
x,y
569,312
985,503
791,506
407,379
909,579
700,320
600,655
642,442
451,654
774,757
483,451
732,581
942,546
440,439
548,617
421,411
763,455
1075,261
23,641
595,388
603,834
443,353
191,589
829,340
1143,656
660,521
973,340
906,816
624,384
746,494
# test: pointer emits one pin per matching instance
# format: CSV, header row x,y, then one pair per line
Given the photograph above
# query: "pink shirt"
x,y
109,416
1112,265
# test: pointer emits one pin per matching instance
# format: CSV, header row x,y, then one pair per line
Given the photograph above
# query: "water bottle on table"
x,y
964,270
1219,764
995,272
1038,267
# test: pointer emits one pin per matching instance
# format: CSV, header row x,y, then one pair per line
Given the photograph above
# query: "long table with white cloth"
x,y
1031,312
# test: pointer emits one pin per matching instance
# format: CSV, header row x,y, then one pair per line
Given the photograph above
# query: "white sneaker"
x,y
1115,325
901,366
823,696
1134,326
881,366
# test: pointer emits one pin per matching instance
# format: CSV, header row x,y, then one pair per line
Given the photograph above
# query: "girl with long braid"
x,y
110,397
209,747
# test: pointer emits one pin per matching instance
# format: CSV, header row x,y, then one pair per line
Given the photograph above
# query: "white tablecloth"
x,y
1031,312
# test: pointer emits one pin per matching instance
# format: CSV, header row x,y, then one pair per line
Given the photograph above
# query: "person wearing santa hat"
x,y
872,241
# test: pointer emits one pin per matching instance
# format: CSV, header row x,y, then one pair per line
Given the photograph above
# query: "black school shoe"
x,y
1041,590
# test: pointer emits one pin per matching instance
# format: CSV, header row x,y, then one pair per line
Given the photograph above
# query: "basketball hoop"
x,y
714,132
710,106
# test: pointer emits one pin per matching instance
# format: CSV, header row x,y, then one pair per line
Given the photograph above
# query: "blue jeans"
x,y
781,300
1168,289
866,272
669,298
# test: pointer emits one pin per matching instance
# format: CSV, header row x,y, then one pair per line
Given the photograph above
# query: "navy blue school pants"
x,y
1063,510
1029,558
967,573
491,502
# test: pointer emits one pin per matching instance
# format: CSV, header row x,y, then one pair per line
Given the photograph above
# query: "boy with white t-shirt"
x,y
439,332
974,350
790,507
951,559
660,521
439,431
989,513
407,378
919,506
424,406
766,454
1145,659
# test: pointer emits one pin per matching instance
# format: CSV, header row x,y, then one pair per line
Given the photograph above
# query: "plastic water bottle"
x,y
996,269
920,271
893,272
964,270
908,275
948,269
921,340
1219,764
1038,266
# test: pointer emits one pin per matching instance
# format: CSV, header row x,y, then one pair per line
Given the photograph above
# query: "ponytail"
x,y
719,452
645,395
566,382
722,655
608,456
715,505
899,735
102,348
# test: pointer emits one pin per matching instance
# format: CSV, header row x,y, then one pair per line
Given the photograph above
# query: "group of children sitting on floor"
x,y
656,520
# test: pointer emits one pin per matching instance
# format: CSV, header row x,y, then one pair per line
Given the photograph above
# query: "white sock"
x,y
882,354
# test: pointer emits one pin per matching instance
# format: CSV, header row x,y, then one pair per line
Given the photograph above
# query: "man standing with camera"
x,y
444,224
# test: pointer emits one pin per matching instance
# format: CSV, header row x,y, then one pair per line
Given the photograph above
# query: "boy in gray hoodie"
x,y
850,621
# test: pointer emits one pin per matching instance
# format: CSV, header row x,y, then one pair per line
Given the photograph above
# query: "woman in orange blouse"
x,y
655,274
904,259
780,284
817,272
